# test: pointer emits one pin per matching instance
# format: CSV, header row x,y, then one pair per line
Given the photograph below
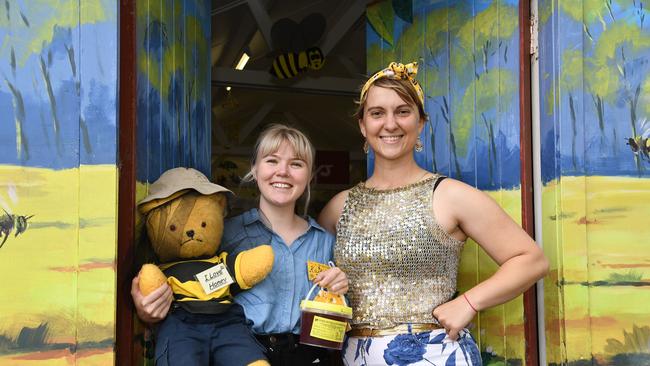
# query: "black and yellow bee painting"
x,y
290,64
640,145
9,223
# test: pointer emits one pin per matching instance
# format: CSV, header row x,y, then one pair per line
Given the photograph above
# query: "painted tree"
x,y
439,24
22,146
572,80
32,31
381,17
483,96
481,36
480,39
618,67
590,13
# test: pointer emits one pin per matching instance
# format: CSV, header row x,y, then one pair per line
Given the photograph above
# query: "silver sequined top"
x,y
400,263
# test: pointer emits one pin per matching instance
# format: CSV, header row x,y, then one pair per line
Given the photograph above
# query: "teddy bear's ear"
x,y
222,200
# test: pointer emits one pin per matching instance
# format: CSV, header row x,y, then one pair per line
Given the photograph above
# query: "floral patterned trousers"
x,y
426,348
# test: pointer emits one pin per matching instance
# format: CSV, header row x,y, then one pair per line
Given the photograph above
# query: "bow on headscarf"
x,y
396,71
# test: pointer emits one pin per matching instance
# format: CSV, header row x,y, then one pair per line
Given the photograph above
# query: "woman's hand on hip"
x,y
454,316
334,280
153,307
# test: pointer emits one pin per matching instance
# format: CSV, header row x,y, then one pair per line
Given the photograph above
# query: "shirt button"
x,y
272,339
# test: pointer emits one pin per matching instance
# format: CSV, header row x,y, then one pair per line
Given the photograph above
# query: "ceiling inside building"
x,y
318,101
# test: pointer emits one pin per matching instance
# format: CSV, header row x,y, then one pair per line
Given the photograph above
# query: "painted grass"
x,y
61,270
595,233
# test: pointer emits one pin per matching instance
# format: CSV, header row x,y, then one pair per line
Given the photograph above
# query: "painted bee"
x,y
640,145
290,64
9,222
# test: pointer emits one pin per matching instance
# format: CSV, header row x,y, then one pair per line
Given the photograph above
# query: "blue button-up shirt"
x,y
273,305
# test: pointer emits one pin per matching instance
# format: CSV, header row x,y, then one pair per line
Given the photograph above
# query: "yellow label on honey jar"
x,y
328,329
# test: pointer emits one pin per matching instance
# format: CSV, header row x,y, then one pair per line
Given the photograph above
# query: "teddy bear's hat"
x,y
179,179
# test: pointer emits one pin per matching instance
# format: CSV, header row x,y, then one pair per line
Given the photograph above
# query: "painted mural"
x,y
595,102
468,65
58,181
174,104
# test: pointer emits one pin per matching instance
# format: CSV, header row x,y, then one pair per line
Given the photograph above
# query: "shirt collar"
x,y
253,216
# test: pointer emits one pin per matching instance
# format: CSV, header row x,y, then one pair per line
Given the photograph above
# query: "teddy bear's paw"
x,y
151,278
253,265
259,363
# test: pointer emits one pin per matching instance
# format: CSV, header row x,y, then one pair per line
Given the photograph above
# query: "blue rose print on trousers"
x,y
430,348
406,349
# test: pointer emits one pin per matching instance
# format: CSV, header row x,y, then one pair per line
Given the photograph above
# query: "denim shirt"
x,y
273,305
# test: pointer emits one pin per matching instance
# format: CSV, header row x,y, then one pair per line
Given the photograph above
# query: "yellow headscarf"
x,y
396,71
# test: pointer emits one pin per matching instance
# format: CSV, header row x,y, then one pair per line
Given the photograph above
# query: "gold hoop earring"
x,y
366,147
418,145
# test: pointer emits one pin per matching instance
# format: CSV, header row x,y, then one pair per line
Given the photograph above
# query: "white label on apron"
x,y
214,278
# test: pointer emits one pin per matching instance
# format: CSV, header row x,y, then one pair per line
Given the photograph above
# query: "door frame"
x,y
526,165
127,111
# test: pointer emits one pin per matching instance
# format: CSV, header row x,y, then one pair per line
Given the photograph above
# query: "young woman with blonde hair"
x,y
282,166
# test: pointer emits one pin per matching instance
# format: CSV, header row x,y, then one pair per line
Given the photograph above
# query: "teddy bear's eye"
x,y
203,224
172,227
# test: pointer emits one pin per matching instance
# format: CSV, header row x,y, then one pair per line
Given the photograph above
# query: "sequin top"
x,y
400,263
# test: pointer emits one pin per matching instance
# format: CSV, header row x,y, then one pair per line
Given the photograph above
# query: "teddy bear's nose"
x,y
190,233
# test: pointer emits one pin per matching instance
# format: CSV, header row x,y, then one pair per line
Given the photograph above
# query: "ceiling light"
x,y
242,61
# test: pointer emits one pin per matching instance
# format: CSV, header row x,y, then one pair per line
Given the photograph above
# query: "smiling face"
x,y
390,125
281,177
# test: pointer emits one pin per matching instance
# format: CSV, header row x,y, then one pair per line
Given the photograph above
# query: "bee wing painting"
x,y
645,129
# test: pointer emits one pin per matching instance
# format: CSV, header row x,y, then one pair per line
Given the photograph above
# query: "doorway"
x,y
261,74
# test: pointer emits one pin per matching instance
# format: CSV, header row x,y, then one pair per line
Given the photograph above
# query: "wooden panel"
x,y
173,59
594,76
58,182
173,105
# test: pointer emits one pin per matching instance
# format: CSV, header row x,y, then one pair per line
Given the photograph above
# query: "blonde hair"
x,y
270,141
402,87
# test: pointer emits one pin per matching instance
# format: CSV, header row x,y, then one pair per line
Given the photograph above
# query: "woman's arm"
x,y
330,214
153,307
521,261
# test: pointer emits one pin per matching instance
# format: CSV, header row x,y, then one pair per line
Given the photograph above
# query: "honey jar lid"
x,y
341,310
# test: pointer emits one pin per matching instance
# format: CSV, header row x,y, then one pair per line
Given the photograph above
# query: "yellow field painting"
x,y
499,330
595,233
59,274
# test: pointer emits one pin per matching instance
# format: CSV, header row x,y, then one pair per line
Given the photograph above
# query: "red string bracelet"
x,y
470,304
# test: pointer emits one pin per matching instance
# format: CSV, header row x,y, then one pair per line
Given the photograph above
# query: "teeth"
x,y
281,185
390,138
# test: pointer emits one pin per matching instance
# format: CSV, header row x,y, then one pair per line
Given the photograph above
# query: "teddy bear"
x,y
184,216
